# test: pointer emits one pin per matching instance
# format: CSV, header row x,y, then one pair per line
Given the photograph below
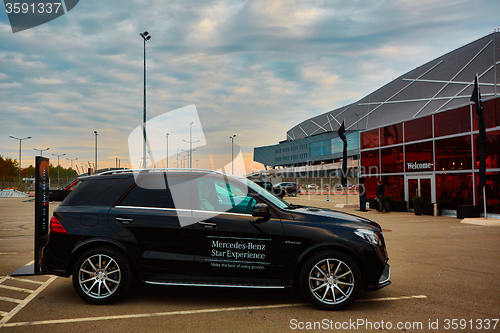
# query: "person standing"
x,y
362,195
380,194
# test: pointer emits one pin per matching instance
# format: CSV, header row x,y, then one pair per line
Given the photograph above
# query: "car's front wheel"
x,y
330,280
101,275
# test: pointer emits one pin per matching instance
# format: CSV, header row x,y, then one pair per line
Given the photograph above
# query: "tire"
x,y
330,280
294,193
101,275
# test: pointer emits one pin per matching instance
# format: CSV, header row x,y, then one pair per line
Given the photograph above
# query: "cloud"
x,y
253,68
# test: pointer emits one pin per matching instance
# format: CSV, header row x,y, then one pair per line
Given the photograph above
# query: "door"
x,y
420,185
148,221
232,245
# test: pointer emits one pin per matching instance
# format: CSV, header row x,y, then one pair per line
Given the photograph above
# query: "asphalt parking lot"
x,y
445,278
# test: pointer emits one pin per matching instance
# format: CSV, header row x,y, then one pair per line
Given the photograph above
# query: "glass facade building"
x,y
418,133
436,157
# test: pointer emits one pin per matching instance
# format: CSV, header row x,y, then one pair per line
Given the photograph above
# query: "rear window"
x,y
146,195
98,191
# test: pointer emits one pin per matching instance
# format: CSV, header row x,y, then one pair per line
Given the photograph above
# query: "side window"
x,y
146,194
206,194
222,196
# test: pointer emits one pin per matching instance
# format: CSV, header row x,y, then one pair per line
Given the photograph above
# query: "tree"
x,y
8,167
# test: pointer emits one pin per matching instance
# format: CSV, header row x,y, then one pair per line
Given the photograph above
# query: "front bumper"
x,y
385,277
383,281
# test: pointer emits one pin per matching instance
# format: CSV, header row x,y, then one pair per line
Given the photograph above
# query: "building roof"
x,y
441,84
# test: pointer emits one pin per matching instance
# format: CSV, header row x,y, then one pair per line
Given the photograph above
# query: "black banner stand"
x,y
42,182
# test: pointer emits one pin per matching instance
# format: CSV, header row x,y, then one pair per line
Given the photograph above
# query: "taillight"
x,y
56,226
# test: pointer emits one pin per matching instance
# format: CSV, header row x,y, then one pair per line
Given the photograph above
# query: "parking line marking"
x,y
8,299
26,290
391,298
157,314
25,280
189,312
24,302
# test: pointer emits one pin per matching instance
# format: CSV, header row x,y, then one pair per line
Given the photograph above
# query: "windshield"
x,y
266,194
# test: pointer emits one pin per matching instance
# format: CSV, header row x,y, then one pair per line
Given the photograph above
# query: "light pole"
x,y
359,143
95,164
20,140
190,146
167,150
58,167
146,36
72,159
184,159
41,150
232,152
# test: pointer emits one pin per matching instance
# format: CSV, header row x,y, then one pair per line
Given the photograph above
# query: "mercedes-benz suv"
x,y
204,228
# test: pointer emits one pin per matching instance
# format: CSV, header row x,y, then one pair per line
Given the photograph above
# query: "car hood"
x,y
315,214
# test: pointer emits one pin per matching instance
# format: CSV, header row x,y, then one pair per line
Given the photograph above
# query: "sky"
x,y
253,69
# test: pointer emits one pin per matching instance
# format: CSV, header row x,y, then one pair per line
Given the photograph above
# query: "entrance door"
x,y
421,185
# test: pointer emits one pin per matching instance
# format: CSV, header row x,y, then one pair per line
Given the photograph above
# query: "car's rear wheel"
x,y
293,193
330,280
101,275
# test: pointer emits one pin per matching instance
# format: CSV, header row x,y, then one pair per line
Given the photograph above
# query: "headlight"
x,y
369,236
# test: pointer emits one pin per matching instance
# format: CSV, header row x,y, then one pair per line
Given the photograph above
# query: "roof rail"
x,y
156,169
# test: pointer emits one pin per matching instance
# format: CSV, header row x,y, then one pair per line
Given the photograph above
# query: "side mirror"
x,y
261,210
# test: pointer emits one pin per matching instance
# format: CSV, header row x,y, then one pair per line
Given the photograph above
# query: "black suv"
x,y
204,228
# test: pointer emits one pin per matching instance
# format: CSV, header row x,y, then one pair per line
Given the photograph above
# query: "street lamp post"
x,y
232,152
41,150
72,159
20,140
190,146
58,167
95,164
146,36
359,143
167,150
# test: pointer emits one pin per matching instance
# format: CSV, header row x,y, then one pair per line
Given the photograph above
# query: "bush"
x,y
417,200
387,198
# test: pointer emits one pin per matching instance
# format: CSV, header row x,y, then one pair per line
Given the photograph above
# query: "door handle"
x,y
124,220
208,224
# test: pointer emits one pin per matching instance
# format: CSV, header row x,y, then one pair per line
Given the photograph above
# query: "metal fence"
x,y
27,186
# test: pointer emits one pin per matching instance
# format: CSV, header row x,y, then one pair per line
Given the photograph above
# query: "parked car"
x,y
204,228
269,186
287,188
312,186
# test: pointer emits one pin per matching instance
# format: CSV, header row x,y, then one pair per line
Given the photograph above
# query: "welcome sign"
x,y
419,166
